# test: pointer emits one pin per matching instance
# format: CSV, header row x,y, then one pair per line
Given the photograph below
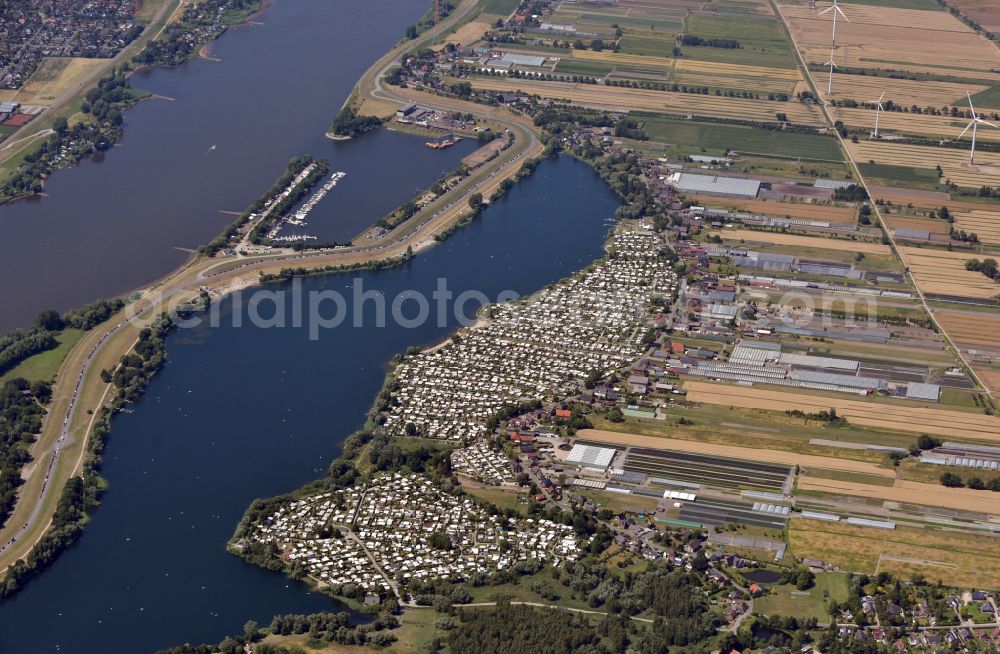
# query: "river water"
x,y
105,228
246,412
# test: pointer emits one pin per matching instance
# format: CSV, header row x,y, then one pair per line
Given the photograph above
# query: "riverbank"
x,y
178,288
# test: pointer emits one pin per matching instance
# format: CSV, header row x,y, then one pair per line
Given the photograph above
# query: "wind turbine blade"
x,y
985,122
966,129
841,12
880,97
969,95
827,10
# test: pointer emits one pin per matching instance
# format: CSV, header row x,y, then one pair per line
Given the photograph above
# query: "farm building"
x,y
520,60
590,456
918,391
833,183
728,187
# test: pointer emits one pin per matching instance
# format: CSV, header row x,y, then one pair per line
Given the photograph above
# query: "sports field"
x,y
899,415
778,238
956,559
627,99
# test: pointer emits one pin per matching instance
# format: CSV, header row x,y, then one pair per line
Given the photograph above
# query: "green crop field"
x,y
716,138
500,7
762,39
988,98
650,44
595,68
902,177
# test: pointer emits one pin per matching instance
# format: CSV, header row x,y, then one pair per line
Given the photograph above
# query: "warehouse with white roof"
x,y
728,187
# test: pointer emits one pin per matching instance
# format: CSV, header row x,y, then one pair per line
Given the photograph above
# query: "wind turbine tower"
x,y
974,124
835,8
878,110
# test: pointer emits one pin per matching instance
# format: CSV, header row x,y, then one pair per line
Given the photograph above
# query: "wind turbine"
x,y
835,8
974,124
878,110
832,65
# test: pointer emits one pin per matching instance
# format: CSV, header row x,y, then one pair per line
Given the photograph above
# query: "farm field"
x,y
971,327
904,92
984,223
943,272
744,139
953,161
896,221
984,12
790,209
907,492
908,123
958,559
889,37
626,99
733,452
762,40
902,177
54,77
901,415
778,238
467,33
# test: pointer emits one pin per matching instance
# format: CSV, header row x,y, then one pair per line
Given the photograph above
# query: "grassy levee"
x,y
18,144
182,285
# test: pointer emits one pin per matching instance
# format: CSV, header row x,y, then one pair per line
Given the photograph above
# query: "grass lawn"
x,y
762,39
780,599
716,138
901,176
502,498
522,591
44,365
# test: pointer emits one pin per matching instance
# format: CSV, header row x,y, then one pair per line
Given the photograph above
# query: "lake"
x,y
221,139
246,412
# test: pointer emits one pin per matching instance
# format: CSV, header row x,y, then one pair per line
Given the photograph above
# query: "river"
x,y
240,413
219,141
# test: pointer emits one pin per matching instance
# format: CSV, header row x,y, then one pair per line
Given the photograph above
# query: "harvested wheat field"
x,y
984,12
943,272
625,99
786,209
989,377
904,196
734,452
984,223
956,559
756,78
894,221
778,238
954,162
884,37
609,57
466,34
904,92
971,327
963,499
900,415
908,123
